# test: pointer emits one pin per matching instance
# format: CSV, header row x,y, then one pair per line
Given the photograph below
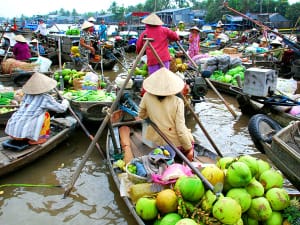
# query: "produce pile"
x,y
89,95
71,76
230,77
252,193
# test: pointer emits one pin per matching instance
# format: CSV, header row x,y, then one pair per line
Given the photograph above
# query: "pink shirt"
x,y
21,51
161,36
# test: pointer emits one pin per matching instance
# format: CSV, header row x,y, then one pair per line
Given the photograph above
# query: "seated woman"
x,y
21,49
37,49
32,120
161,105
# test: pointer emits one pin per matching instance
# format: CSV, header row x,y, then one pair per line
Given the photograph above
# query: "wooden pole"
x,y
185,159
188,105
104,122
208,81
82,126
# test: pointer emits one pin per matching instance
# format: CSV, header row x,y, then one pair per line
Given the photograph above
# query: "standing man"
x,y
42,31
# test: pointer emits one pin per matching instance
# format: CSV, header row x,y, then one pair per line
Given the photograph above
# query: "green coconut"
x,y
255,188
251,163
241,196
146,208
186,221
275,219
271,178
262,167
238,174
260,209
170,219
224,162
247,220
278,198
227,210
191,188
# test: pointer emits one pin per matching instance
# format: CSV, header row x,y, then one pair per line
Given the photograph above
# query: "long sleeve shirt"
x,y
161,37
27,121
21,51
168,115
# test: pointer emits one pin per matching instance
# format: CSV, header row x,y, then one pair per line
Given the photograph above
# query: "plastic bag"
x,y
44,64
91,77
287,86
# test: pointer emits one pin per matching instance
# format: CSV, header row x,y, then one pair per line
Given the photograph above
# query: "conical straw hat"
x,y
195,28
152,19
86,24
163,82
39,83
20,38
92,19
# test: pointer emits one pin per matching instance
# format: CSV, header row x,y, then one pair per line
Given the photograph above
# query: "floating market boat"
x,y
16,154
90,104
133,138
282,146
125,143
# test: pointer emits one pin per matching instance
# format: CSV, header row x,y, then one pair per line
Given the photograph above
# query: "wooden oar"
x,y
81,124
202,127
105,121
216,189
208,81
124,132
189,106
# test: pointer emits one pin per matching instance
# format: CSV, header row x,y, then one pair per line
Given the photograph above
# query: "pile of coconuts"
x,y
252,194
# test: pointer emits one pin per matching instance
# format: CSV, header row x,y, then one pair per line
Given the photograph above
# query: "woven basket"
x,y
133,177
230,51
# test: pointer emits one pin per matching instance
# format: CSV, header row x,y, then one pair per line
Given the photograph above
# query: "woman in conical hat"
x,y
21,49
86,48
161,37
194,42
32,120
166,110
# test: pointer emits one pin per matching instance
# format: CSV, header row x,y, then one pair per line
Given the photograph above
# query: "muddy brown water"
x,y
93,199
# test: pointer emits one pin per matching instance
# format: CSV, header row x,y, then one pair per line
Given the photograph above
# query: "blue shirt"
x,y
41,49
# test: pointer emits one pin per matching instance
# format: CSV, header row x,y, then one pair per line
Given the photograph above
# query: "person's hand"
x,y
189,154
65,103
92,50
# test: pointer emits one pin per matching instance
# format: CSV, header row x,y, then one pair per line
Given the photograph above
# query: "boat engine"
x,y
198,88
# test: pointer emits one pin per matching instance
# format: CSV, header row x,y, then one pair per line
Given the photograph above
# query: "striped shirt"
x,y
28,120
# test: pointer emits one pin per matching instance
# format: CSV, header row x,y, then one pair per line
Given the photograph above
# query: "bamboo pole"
x,y
104,123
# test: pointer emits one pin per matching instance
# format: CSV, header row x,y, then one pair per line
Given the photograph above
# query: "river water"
x,y
94,198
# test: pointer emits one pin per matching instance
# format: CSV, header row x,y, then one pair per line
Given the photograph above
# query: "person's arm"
x,y
183,133
142,109
172,35
83,44
140,43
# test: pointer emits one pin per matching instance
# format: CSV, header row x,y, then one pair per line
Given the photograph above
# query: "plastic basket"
x,y
133,177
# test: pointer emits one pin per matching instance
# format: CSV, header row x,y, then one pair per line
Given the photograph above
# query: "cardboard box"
x,y
259,82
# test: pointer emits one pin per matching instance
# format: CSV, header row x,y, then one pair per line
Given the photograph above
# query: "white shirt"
x,y
42,28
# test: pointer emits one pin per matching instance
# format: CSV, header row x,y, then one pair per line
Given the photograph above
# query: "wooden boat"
x,y
249,106
282,148
139,149
129,133
90,110
12,160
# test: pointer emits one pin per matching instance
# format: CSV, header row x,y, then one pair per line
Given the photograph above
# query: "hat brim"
x,y
163,82
39,83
